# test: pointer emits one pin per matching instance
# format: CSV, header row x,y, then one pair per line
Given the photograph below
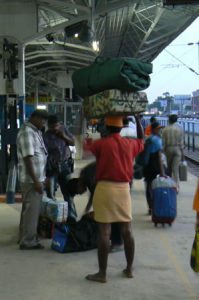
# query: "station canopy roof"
x,y
119,28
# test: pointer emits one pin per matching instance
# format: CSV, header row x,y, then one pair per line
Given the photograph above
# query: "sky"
x,y
170,75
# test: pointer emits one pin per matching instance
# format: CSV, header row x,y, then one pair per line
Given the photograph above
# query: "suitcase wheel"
x,y
155,224
163,224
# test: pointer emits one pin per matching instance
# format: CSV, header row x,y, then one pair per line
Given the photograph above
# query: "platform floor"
x,y
161,265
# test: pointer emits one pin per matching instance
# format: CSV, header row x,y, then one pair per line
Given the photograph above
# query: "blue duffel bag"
x,y
60,238
75,236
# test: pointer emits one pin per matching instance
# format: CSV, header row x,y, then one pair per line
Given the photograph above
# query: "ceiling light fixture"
x,y
81,30
95,45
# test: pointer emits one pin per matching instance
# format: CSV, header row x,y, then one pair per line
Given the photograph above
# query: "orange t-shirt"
x,y
196,199
94,121
148,130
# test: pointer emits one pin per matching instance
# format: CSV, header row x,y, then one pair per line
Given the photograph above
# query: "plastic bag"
x,y
56,211
194,260
165,182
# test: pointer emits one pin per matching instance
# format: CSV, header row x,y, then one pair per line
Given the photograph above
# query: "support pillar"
x,y
17,22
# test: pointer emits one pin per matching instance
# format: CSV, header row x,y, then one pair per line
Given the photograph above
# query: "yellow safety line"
x,y
178,267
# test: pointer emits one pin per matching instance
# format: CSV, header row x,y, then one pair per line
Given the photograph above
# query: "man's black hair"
x,y
152,119
52,119
126,121
113,129
155,125
40,113
173,118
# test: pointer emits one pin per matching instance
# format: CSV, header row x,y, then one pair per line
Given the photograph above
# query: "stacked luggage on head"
x,y
110,86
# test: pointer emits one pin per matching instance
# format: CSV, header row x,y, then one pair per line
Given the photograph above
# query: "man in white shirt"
x,y
32,156
129,129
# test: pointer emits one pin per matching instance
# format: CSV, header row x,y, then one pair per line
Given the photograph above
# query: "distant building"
x,y
182,101
195,101
162,101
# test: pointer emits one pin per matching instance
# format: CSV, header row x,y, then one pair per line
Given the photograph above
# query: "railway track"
x,y
192,159
193,168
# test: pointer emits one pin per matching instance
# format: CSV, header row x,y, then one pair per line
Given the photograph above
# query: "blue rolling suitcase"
x,y
164,208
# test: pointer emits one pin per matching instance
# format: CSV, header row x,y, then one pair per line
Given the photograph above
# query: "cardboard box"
x,y
113,102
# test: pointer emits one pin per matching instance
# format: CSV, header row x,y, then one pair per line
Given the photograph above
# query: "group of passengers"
x,y
48,155
42,158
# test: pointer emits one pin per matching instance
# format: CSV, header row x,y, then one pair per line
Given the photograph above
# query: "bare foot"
x,y
96,277
128,273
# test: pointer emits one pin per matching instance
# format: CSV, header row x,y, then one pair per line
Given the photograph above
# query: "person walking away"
x,y
32,156
148,130
173,144
94,125
154,166
196,204
59,164
112,199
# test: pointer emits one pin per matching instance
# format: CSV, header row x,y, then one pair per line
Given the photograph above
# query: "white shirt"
x,y
30,143
129,132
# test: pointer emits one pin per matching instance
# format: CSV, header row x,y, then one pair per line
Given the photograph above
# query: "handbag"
x,y
194,261
183,170
53,167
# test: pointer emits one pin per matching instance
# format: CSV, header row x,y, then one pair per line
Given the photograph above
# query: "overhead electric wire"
x,y
173,78
187,44
192,70
163,69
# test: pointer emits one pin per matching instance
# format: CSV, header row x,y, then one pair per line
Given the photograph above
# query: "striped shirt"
x,y
30,143
172,136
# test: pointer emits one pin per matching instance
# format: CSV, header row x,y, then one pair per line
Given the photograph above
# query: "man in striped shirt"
x,y
32,156
173,144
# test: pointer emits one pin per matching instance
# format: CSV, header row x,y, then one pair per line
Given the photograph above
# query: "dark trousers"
x,y
149,197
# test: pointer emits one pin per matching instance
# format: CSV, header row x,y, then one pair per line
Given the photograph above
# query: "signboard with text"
x,y
42,99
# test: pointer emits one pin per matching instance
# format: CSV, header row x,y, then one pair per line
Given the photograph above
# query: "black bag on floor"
x,y
45,227
75,236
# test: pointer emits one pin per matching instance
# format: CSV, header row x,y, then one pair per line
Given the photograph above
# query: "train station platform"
x,y
161,265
